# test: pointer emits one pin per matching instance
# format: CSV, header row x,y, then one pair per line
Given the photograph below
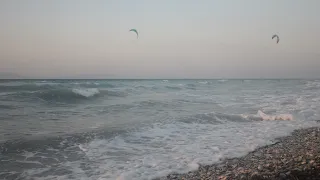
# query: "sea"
x,y
143,129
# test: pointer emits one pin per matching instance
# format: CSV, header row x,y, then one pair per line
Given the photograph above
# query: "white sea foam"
x,y
89,92
166,148
263,116
312,85
276,117
203,82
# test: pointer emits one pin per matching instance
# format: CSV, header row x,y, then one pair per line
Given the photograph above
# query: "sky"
x,y
177,39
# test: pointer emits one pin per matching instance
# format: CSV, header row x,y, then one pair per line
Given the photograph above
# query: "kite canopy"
x,y
277,38
134,30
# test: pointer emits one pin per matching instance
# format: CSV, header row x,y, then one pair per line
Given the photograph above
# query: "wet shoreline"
x,y
292,157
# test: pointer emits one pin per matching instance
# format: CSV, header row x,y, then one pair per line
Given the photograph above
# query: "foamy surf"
x,y
264,117
162,149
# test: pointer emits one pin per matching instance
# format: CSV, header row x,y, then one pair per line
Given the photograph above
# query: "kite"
x,y
277,38
134,30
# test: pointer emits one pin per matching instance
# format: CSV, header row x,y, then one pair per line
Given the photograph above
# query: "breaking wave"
x,y
86,92
76,94
55,91
67,94
64,94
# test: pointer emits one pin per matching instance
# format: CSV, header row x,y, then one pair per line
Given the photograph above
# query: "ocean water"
x,y
142,129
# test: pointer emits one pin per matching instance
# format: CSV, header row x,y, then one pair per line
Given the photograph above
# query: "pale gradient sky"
x,y
178,38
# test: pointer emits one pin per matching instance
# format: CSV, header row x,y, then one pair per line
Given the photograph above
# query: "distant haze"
x,y
177,39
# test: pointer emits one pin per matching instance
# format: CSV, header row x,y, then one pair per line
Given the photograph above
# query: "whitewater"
x,y
143,129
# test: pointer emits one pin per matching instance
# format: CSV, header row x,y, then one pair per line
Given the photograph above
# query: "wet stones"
x,y
292,157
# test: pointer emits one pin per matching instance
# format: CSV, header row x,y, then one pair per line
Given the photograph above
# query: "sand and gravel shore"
x,y
293,157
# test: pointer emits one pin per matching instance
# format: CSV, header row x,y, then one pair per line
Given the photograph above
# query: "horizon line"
x,y
159,78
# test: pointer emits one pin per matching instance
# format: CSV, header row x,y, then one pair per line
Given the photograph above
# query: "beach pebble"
x,y
295,156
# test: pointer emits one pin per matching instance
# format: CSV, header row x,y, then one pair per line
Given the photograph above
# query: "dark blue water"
x,y
141,129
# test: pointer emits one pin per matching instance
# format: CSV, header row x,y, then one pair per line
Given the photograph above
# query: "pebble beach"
x,y
293,157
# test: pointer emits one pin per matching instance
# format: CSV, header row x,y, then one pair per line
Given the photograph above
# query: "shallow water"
x,y
142,129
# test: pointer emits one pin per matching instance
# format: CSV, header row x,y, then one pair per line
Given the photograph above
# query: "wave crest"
x,y
75,94
90,92
67,95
